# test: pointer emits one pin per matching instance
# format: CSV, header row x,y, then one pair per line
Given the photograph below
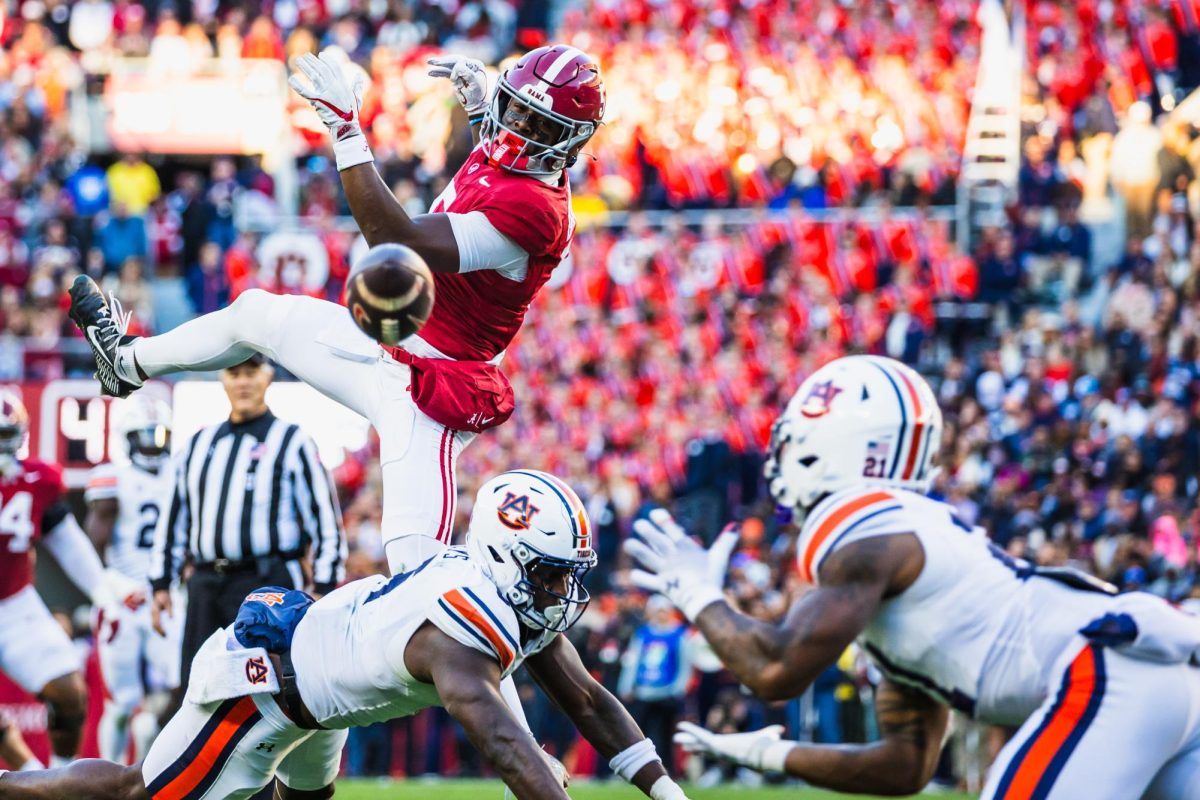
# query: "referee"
x,y
250,500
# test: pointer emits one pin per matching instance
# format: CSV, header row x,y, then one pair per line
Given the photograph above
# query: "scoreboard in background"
x,y
72,425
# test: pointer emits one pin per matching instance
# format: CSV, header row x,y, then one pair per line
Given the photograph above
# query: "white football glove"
x,y
761,750
336,97
468,78
675,565
556,767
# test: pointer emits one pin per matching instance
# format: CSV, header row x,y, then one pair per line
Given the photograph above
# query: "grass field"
x,y
493,790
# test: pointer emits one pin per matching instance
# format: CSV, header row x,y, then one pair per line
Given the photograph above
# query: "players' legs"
x,y
309,770
420,488
14,750
66,711
1078,744
89,779
120,645
315,340
226,750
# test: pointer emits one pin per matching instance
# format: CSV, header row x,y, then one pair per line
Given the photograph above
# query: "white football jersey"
x,y
140,497
978,629
348,650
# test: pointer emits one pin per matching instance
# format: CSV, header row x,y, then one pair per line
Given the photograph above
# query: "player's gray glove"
x,y
675,565
556,767
762,750
468,78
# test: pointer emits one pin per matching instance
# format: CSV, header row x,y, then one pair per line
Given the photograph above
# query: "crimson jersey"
x,y
30,506
476,314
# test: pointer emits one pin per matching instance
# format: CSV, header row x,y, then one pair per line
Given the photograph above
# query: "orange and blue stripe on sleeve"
x,y
1037,765
477,620
841,517
197,769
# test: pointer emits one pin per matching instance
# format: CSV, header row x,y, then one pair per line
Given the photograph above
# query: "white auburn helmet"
x,y
145,425
857,420
524,521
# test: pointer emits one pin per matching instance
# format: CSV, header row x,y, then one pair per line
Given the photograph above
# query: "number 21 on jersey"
x,y
16,521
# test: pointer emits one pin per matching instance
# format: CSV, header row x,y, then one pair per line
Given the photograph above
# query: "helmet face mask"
x,y
543,111
14,425
530,534
145,425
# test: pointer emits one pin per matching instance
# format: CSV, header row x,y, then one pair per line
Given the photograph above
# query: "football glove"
x,y
468,78
762,750
556,767
336,97
675,565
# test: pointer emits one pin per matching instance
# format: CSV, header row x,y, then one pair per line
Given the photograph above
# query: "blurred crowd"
x,y
1064,351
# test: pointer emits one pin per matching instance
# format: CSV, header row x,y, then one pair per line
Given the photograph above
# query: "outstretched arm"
x,y
468,682
780,661
100,520
598,715
912,727
776,661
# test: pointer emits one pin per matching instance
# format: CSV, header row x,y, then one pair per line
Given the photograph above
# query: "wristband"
x,y
473,121
666,789
627,762
352,151
774,756
698,599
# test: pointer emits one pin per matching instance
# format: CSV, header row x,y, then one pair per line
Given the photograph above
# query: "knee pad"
x,y
60,720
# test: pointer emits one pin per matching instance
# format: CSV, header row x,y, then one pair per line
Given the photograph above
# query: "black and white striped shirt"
x,y
249,490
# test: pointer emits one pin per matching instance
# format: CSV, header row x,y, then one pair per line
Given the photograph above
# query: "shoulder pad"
x,y
856,511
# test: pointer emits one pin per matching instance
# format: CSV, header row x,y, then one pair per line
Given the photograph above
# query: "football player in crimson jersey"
x,y
492,239
34,649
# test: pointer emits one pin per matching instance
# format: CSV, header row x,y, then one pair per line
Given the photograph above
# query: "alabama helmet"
x,y
562,86
145,426
857,420
14,424
528,526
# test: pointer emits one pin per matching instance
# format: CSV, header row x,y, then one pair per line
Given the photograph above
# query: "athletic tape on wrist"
x,y
352,151
774,757
627,762
699,599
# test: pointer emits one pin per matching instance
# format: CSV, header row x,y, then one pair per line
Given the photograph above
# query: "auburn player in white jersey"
x,y
124,501
1104,687
273,694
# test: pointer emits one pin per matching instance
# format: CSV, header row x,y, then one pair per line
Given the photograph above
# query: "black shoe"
x,y
103,330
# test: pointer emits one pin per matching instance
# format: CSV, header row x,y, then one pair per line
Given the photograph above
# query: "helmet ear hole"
x,y
495,556
808,461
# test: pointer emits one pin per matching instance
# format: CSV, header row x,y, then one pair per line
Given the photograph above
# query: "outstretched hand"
x,y
673,564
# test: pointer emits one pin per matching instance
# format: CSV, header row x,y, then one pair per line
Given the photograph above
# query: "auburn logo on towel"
x,y
266,598
256,670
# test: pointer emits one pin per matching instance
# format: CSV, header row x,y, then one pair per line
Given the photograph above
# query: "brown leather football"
x,y
390,293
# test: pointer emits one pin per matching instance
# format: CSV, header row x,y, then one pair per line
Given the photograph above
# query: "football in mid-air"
x,y
390,293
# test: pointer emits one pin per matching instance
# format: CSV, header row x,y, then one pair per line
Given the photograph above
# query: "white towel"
x,y
223,669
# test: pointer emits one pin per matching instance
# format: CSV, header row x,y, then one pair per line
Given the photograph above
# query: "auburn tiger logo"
x,y
516,511
256,670
819,398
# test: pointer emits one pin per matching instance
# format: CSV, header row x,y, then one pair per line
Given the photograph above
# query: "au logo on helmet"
x,y
516,511
819,399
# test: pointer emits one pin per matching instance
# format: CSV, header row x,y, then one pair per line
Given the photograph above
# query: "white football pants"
x,y
319,343
1112,728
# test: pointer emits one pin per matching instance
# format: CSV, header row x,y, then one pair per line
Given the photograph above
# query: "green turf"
x,y
418,789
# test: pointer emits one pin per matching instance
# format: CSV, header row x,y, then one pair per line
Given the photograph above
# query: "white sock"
x,y
57,761
126,367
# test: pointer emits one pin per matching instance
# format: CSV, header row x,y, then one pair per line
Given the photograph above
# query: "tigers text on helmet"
x,y
14,424
530,534
562,89
857,420
145,425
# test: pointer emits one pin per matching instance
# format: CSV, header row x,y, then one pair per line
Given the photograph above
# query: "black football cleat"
x,y
104,331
